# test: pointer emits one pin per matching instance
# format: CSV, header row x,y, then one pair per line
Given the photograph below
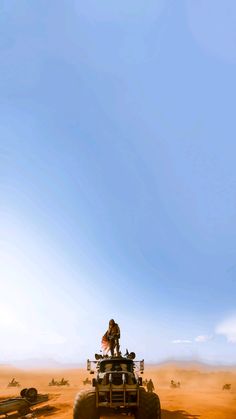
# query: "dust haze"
x,y
200,394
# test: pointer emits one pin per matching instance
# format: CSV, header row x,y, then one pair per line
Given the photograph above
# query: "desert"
x,y
200,395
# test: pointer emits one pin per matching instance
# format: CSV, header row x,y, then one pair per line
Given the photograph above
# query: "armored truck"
x,y
116,389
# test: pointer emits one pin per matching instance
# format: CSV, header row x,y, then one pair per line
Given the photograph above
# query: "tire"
x,y
23,392
85,406
31,394
149,406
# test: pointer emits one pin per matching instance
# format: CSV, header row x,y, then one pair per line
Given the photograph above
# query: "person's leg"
x,y
117,347
112,346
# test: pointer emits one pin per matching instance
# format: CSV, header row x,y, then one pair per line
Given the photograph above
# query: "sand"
x,y
199,396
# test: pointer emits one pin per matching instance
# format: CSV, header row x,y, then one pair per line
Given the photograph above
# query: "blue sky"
x,y
118,178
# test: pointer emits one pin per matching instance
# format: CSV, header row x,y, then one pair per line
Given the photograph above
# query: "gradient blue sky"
x,y
118,178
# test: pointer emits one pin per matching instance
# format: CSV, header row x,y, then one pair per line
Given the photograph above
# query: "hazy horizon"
x,y
44,363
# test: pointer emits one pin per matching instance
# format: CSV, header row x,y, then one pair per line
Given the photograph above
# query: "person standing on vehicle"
x,y
110,340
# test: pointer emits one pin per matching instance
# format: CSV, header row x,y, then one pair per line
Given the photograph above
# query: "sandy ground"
x,y
200,394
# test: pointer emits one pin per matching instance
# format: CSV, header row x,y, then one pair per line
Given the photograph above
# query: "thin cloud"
x,y
178,341
227,328
203,338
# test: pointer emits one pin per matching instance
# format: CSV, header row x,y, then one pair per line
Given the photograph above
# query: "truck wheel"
x,y
23,392
31,394
85,406
149,406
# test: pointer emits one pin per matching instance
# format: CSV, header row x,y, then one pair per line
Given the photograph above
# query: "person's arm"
x,y
118,332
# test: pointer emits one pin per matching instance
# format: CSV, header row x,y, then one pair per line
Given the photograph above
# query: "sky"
x,y
118,178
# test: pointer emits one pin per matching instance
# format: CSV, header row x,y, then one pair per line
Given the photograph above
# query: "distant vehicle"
x,y
52,382
62,382
13,383
28,398
226,387
87,381
173,384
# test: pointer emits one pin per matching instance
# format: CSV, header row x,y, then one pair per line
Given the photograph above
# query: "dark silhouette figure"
x,y
150,386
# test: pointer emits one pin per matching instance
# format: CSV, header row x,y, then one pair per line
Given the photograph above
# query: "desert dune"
x,y
200,394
